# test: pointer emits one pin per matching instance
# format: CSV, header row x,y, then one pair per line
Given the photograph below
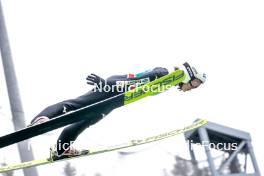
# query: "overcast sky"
x,y
57,43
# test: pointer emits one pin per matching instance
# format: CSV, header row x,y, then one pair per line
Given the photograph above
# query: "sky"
x,y
56,44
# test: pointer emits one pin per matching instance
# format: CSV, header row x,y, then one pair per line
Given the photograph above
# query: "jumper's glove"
x,y
94,80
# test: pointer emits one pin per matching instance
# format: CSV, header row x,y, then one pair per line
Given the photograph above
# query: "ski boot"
x,y
69,153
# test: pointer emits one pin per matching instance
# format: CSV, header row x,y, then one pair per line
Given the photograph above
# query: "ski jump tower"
x,y
213,133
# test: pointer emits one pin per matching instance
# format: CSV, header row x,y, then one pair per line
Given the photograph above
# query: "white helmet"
x,y
192,74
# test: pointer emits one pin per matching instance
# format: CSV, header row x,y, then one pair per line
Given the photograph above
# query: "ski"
x,y
161,84
131,143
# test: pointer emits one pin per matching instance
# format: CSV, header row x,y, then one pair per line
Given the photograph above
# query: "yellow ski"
x,y
131,143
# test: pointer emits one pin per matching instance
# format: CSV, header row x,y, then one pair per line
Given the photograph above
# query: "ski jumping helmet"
x,y
193,74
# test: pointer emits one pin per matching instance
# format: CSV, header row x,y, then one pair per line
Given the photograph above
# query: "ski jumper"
x,y
71,132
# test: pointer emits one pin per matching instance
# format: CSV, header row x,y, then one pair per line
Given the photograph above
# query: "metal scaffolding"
x,y
216,134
